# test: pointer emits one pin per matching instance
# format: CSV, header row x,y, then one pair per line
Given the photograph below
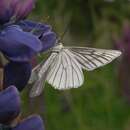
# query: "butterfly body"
x,y
57,48
64,67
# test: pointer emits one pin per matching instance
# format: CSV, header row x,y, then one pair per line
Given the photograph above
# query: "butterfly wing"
x,y
92,58
65,72
41,72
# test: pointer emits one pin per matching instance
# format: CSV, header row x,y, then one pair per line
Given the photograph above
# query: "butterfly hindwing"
x,y
38,86
42,75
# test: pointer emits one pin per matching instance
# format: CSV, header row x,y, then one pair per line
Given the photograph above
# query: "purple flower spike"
x,y
32,123
23,8
9,104
17,74
123,43
18,45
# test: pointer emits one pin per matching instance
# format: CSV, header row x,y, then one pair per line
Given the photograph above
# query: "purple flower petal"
x,y
43,31
32,123
48,40
18,45
17,74
36,28
9,104
7,10
15,8
23,8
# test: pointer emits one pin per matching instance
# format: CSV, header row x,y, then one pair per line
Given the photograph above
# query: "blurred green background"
x,y
103,102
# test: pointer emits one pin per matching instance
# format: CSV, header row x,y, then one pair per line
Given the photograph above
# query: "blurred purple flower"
x,y
17,74
15,9
123,43
9,104
31,123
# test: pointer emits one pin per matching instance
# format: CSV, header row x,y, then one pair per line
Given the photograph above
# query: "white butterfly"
x,y
63,68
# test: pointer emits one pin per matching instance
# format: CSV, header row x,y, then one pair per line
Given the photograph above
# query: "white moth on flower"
x,y
63,68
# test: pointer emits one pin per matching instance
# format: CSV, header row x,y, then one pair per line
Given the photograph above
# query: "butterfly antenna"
x,y
63,34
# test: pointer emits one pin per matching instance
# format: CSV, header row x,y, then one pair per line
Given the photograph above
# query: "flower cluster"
x,y
123,43
20,41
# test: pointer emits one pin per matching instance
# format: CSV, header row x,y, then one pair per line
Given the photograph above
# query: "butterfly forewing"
x,y
91,58
66,72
